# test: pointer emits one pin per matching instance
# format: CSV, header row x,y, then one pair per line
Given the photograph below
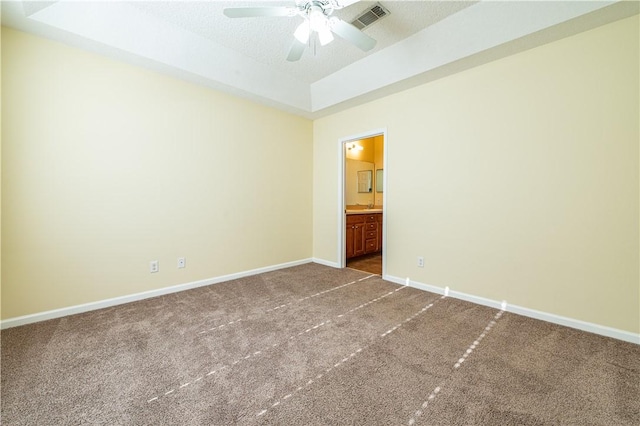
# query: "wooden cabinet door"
x,y
349,240
358,239
355,235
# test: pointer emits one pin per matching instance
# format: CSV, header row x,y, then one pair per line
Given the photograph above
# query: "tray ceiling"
x,y
419,41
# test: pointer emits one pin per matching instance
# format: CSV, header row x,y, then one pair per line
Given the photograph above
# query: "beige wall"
x,y
0,174
106,167
516,180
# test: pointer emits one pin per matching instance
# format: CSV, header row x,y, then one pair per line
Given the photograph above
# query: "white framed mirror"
x,y
364,181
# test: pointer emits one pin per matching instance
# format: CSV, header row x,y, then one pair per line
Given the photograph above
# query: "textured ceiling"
x,y
267,40
418,42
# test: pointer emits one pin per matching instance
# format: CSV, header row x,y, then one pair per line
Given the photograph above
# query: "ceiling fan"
x,y
317,19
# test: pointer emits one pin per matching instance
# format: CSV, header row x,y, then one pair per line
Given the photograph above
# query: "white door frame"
x,y
342,260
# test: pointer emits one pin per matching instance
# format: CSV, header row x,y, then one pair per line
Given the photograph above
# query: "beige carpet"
x,y
313,345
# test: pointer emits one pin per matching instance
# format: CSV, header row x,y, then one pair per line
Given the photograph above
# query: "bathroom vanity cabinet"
x,y
363,233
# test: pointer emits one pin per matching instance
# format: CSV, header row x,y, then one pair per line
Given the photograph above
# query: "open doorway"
x,y
362,202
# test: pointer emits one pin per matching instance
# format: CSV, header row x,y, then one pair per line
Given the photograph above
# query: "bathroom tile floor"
x,y
371,263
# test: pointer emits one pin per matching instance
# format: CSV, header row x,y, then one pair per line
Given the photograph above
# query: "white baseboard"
x,y
325,262
527,312
531,313
92,306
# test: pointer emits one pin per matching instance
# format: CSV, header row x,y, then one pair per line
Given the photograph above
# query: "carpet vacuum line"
x,y
347,358
274,345
457,365
288,304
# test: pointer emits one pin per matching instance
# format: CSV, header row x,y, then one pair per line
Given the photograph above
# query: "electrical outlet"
x,y
420,262
182,262
154,266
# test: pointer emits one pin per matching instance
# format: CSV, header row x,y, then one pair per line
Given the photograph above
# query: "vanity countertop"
x,y
363,211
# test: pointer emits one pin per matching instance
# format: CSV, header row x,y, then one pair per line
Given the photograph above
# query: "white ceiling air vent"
x,y
369,16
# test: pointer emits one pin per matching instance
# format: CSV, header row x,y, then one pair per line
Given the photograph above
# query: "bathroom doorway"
x,y
362,229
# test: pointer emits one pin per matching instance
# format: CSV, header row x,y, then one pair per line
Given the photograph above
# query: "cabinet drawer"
x,y
371,234
372,217
355,218
372,226
370,246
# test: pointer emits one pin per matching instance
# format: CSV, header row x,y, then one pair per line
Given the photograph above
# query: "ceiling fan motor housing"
x,y
308,8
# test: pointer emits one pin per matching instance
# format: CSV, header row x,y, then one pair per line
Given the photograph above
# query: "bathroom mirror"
x,y
364,181
379,180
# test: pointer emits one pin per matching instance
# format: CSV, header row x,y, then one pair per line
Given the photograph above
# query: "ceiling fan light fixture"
x,y
302,32
317,19
325,36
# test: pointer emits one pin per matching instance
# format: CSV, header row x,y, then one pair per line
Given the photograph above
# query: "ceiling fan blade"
x,y
297,49
351,34
252,12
